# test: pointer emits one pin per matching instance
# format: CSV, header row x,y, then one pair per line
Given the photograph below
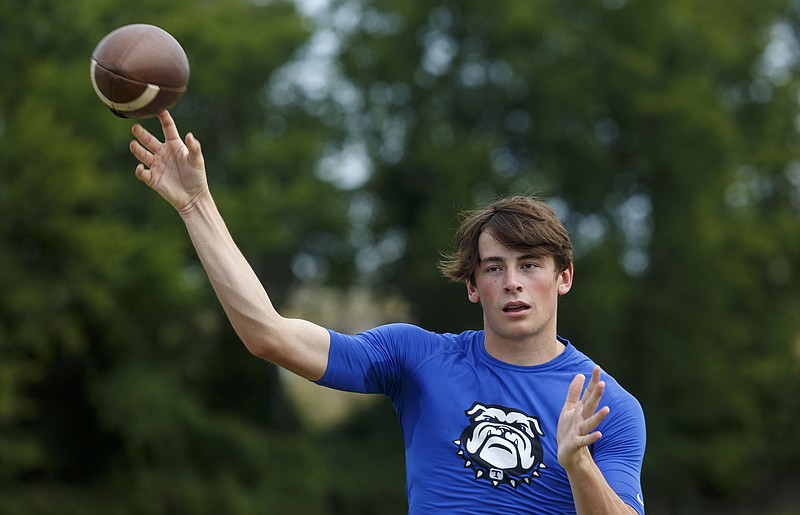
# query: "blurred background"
x,y
342,139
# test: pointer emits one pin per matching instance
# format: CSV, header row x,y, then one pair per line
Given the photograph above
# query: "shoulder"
x,y
625,422
406,337
623,404
382,358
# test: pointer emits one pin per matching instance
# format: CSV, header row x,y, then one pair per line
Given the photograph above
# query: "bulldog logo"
x,y
501,445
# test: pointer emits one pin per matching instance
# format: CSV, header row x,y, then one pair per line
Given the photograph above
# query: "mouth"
x,y
516,307
501,445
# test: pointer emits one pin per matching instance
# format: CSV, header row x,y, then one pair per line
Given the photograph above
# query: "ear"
x,y
472,292
565,279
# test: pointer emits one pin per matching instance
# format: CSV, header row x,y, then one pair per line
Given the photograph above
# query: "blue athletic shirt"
x,y
480,434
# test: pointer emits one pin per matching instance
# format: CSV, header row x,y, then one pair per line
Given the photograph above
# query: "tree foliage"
x,y
664,134
119,377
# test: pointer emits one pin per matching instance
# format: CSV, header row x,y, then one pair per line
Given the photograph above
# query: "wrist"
x,y
578,463
196,205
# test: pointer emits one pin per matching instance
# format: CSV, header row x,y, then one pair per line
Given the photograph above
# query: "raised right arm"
x,y
176,170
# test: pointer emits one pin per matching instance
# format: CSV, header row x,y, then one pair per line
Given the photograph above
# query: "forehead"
x,y
490,248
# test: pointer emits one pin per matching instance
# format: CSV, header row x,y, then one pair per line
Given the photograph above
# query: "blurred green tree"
x,y
119,377
664,134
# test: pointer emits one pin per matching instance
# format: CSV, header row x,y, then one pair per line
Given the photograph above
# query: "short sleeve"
x,y
372,361
620,452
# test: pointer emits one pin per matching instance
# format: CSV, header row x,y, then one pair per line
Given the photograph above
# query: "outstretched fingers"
x,y
594,391
577,425
195,151
574,391
144,149
588,426
168,126
591,416
145,139
582,409
146,145
143,174
142,154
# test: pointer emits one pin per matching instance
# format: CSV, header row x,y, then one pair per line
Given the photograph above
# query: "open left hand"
x,y
578,420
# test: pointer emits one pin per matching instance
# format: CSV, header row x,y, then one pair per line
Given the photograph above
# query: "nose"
x,y
513,282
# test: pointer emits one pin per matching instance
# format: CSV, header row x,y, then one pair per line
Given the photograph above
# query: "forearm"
x,y
238,288
176,170
296,345
592,493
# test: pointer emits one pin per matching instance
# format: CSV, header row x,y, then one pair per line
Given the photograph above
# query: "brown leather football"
x,y
139,70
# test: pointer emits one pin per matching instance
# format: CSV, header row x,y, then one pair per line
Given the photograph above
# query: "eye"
x,y
522,427
530,265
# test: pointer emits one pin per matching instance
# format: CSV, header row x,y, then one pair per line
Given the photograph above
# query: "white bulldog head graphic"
x,y
501,445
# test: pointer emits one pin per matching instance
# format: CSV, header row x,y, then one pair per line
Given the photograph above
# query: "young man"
x,y
494,421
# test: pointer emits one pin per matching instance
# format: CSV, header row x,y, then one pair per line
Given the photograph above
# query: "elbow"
x,y
260,348
259,340
259,336
297,346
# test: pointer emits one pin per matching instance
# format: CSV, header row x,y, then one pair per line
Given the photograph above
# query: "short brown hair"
x,y
520,223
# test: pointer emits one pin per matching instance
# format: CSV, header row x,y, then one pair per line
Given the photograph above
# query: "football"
x,y
139,70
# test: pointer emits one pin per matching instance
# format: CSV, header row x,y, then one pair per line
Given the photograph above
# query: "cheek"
x,y
484,290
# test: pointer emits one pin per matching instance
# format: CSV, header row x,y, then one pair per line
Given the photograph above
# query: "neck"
x,y
523,352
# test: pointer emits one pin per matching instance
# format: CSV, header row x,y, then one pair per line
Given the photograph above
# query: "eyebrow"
x,y
498,259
